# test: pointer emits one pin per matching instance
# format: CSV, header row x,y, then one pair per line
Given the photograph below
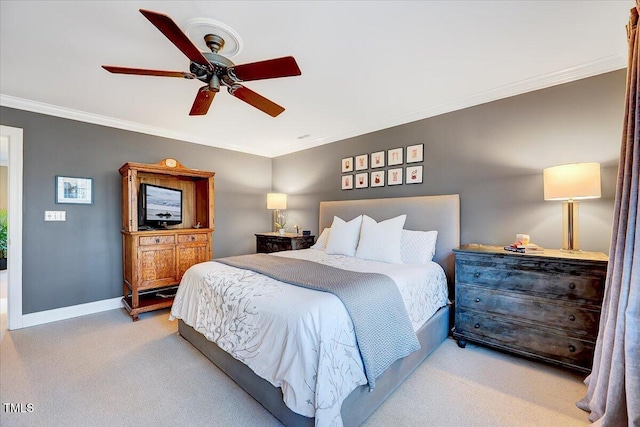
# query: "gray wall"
x,y
80,260
493,156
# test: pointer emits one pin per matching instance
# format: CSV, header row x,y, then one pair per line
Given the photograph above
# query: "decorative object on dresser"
x,y
276,202
540,305
571,183
154,259
275,242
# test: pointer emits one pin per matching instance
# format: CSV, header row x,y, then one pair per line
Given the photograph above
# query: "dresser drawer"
x,y
575,319
186,238
523,338
157,240
533,276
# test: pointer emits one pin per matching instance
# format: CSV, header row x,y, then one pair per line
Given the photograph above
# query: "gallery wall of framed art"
x,y
396,166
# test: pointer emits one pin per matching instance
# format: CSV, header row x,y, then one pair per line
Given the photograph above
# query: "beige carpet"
x,y
105,370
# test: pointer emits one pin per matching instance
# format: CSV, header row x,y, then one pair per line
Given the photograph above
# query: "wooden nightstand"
x,y
544,306
275,242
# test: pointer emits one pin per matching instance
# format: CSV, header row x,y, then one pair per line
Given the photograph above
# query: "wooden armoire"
x,y
154,261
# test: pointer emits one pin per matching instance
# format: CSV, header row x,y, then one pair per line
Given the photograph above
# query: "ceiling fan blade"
x,y
269,69
146,72
170,29
203,101
258,101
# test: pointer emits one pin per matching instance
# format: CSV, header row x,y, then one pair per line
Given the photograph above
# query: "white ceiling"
x,y
366,65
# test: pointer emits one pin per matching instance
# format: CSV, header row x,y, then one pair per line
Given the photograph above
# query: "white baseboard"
x,y
63,313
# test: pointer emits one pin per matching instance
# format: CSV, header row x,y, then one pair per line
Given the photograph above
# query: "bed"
x,y
338,398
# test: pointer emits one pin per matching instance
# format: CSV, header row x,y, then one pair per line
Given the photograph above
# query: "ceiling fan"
x,y
214,69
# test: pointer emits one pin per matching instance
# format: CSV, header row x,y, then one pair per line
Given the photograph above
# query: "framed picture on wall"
x,y
362,180
394,176
377,160
394,156
362,162
347,164
377,179
414,175
415,153
347,182
73,190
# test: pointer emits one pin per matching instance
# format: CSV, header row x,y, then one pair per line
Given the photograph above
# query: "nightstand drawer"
x,y
573,318
274,242
523,338
533,276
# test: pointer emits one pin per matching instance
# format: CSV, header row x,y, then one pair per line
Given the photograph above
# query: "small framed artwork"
x,y
362,180
414,175
394,157
362,162
78,191
347,182
415,153
394,176
347,164
377,179
377,160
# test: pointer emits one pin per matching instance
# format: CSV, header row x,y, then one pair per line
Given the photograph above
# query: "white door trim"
x,y
14,213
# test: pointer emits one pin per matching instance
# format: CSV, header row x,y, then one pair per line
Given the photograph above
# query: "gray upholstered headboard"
x,y
424,213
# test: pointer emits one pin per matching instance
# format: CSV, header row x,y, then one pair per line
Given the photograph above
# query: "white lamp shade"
x,y
276,201
572,182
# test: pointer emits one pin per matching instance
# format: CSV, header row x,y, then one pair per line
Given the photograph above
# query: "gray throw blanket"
x,y
381,322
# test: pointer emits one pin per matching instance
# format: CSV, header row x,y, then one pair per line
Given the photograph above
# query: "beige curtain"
x,y
613,393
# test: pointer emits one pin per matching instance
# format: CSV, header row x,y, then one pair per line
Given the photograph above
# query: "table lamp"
x,y
276,201
571,183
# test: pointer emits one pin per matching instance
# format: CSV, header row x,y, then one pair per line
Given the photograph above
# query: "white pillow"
x,y
380,241
418,247
321,243
343,237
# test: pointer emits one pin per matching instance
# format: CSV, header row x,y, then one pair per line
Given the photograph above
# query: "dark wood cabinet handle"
x,y
572,348
572,286
477,299
572,317
193,238
477,326
157,240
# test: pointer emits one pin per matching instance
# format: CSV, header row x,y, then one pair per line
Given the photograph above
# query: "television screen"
x,y
160,205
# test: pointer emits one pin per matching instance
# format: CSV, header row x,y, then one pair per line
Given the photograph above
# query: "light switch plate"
x,y
55,215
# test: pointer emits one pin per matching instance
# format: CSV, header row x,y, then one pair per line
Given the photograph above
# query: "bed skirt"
x,y
357,407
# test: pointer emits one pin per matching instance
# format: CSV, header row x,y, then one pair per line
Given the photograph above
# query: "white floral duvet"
x,y
296,338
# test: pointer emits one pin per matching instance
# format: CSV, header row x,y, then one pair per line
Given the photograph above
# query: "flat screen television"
x,y
159,206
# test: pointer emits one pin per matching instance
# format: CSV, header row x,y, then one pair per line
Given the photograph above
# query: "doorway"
x,y
11,154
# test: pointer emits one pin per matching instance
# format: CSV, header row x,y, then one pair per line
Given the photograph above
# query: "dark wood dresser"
x,y
544,306
275,242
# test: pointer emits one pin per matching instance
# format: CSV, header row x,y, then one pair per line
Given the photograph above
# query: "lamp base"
x,y
570,226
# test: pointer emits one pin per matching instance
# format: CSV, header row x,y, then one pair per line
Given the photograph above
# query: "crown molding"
x,y
590,69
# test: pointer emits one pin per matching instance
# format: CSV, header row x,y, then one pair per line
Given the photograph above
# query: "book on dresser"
x,y
524,248
544,305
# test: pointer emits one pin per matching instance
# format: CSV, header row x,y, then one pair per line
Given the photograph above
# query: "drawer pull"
x,y
572,317
477,299
193,238
572,348
476,275
477,326
157,240
572,286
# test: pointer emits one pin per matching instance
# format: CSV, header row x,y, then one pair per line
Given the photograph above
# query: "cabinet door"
x,y
190,254
156,266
